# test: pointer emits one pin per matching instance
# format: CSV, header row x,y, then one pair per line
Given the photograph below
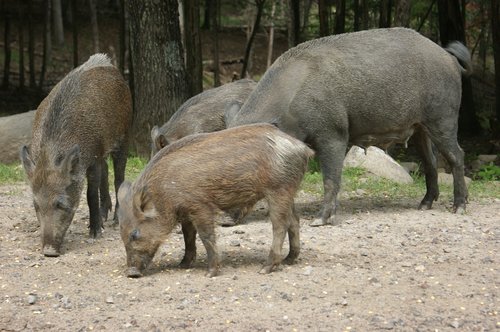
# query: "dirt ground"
x,y
386,267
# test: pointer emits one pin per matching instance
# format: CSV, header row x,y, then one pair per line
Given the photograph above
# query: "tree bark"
x,y
215,36
324,18
339,17
356,8
365,15
123,36
258,16
20,25
385,14
271,36
207,14
293,23
31,45
495,29
402,13
46,42
58,21
7,50
95,26
74,29
159,77
192,42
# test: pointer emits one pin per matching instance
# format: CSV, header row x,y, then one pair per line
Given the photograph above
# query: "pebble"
x,y
455,324
235,243
110,300
308,270
420,268
32,298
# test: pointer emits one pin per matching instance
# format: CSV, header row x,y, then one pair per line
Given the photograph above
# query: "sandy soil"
x,y
386,267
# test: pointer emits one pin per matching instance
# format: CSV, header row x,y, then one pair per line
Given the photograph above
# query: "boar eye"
x,y
61,205
135,235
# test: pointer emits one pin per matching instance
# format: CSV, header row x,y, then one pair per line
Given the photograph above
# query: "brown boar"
x,y
84,118
191,180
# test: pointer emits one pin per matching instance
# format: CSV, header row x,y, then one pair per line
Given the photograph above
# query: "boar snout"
x,y
133,272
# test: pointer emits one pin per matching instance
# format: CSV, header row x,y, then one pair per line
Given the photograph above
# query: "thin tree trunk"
x,y
31,44
215,35
402,13
58,21
357,14
207,15
307,11
324,24
192,42
495,29
74,28
258,16
95,26
46,42
385,14
271,36
20,25
7,50
123,40
293,23
426,15
365,15
339,17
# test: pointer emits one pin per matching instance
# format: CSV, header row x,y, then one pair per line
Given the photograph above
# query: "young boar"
x,y
203,113
191,180
371,87
84,118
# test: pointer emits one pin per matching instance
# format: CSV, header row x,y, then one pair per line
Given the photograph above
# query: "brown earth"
x,y
387,266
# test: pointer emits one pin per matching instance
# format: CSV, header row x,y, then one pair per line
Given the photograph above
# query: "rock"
x,y
307,270
16,132
409,166
235,243
487,158
110,300
32,298
447,179
420,268
455,324
376,161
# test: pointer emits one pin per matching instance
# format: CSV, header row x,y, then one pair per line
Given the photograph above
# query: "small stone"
x,y
455,324
239,231
235,243
110,300
307,270
344,302
420,268
66,303
32,298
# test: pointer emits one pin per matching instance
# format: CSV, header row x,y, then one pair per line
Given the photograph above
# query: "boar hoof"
x,y
320,222
460,209
50,251
134,272
266,269
212,273
290,260
425,205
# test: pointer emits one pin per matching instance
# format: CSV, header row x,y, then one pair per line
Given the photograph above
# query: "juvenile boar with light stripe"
x,y
84,118
191,180
373,87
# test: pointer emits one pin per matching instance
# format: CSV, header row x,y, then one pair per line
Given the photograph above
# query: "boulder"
x,y
15,131
376,161
447,179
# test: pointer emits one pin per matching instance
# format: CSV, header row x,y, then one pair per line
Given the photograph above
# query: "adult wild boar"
x,y
203,113
84,118
367,88
191,180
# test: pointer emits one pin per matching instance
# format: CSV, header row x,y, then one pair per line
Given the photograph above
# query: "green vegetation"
x,y
489,172
10,174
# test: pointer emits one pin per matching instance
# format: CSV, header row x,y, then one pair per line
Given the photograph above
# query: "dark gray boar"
x,y
203,113
191,180
84,118
366,88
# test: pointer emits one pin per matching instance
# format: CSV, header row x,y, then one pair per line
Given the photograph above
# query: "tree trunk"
x,y
402,13
192,42
495,29
271,36
365,15
305,15
207,14
20,24
385,14
7,50
323,12
58,22
31,44
95,26
293,23
258,16
215,36
451,27
74,28
356,8
123,36
339,17
159,77
46,42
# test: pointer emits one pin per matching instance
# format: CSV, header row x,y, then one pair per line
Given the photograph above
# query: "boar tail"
x,y
459,51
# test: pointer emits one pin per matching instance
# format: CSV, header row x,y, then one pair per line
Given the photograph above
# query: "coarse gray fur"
x,y
372,87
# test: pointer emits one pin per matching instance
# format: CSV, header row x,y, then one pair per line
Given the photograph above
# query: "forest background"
x,y
170,50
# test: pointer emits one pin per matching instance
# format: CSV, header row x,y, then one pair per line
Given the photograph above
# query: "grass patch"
x,y
10,174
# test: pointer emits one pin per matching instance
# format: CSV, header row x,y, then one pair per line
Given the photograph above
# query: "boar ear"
x,y
143,204
28,164
159,140
230,111
123,190
71,160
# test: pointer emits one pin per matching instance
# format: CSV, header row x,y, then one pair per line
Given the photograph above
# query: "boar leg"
x,y
205,228
451,151
424,148
93,183
189,233
293,237
104,197
281,223
331,158
119,163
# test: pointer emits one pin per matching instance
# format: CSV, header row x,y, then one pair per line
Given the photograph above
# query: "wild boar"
x,y
203,113
85,117
191,180
366,88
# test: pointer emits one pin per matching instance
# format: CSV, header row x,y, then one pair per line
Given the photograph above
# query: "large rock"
x,y
15,131
376,161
